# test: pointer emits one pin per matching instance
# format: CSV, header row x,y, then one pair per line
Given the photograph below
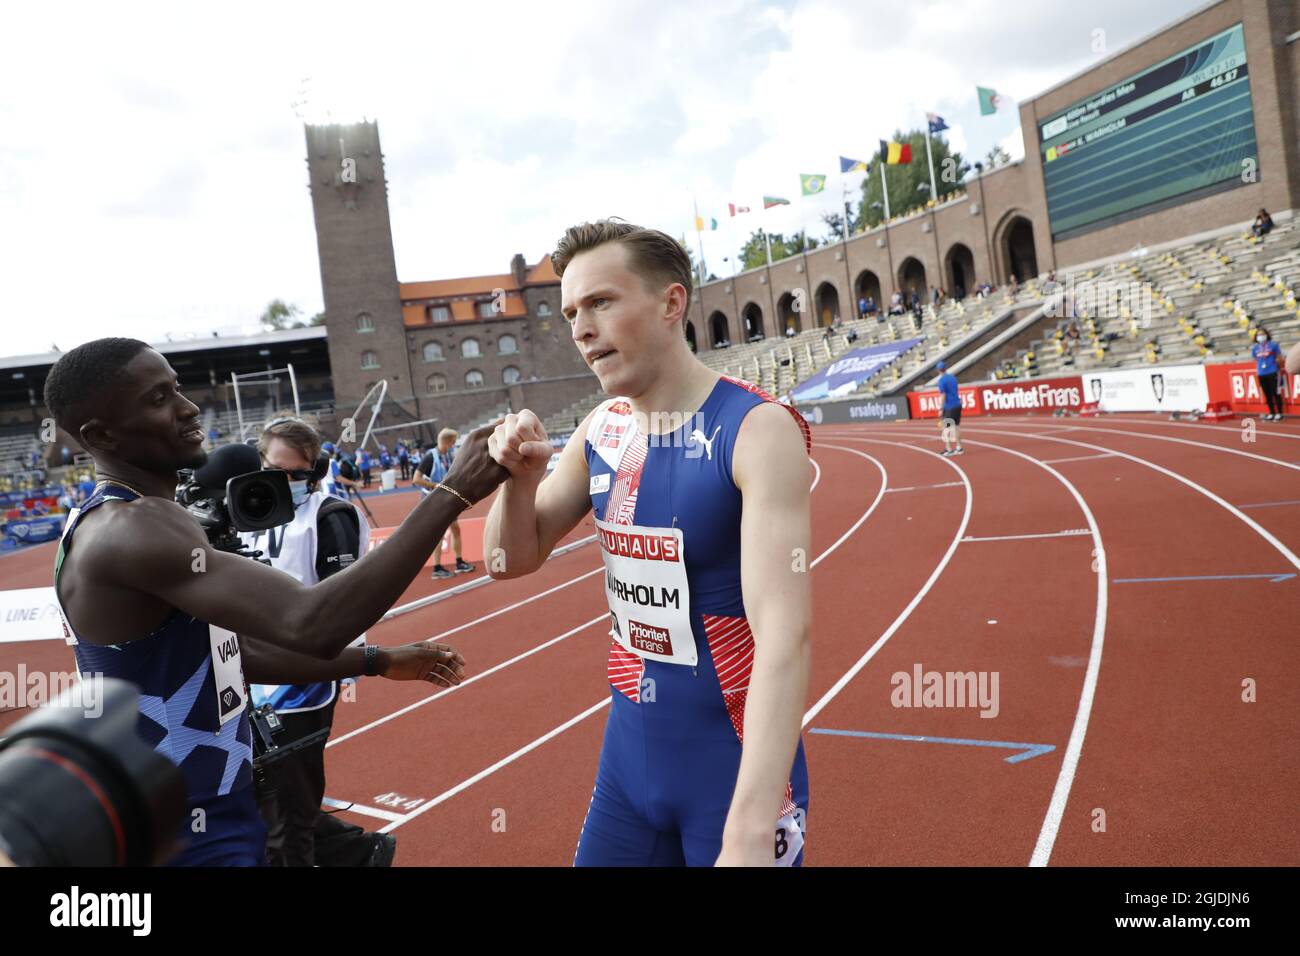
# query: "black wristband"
x,y
372,660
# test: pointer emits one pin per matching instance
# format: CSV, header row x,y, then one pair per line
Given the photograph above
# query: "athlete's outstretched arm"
x,y
180,567
770,467
533,510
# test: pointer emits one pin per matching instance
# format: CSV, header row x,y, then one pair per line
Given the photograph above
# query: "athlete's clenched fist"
x,y
519,445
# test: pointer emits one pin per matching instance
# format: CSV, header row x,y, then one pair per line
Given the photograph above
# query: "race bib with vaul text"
x,y
228,672
649,599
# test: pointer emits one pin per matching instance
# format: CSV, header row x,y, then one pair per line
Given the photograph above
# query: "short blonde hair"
x,y
448,433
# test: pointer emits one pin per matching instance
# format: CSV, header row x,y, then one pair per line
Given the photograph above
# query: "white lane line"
x,y
471,585
817,477
1057,461
852,672
360,808
1271,433
1070,759
1232,509
1073,532
466,683
1184,441
527,748
945,484
503,762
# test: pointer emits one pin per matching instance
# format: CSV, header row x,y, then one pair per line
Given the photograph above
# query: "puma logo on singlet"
x,y
698,436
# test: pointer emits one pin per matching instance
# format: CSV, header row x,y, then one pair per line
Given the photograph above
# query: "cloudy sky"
x,y
152,176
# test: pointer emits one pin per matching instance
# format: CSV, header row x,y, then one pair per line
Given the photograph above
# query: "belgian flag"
x,y
893,154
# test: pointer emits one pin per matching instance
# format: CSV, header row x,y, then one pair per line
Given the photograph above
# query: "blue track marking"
x,y
1273,578
1029,751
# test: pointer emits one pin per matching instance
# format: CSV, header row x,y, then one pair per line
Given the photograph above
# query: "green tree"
x,y
834,226
754,254
909,184
997,156
279,316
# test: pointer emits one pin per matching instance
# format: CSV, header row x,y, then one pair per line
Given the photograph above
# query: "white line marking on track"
x,y
840,684
471,585
472,680
1181,441
1232,509
1073,532
1057,461
360,808
1271,433
1070,759
817,477
503,762
945,484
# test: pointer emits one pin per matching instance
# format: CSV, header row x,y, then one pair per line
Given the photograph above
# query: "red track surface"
x,y
1159,740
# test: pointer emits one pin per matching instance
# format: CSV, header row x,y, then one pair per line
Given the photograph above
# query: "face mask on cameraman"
x,y
300,492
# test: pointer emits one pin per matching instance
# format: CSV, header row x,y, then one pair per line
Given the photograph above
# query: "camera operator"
x,y
146,597
327,535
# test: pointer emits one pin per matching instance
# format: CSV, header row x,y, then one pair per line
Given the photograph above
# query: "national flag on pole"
x,y
892,154
849,165
736,210
811,183
699,224
990,100
770,201
937,125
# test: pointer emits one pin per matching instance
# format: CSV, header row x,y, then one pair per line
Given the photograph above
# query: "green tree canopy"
x,y
909,184
753,253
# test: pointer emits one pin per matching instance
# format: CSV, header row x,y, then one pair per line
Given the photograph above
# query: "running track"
x,y
1122,685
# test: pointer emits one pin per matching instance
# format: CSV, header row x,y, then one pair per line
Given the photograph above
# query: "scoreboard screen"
x,y
1182,126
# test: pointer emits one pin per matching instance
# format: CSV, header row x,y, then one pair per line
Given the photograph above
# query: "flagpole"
x,y
848,281
884,189
934,191
699,240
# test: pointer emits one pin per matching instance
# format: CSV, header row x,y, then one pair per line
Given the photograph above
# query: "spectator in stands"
x,y
65,456
85,488
872,308
1263,224
789,332
1072,336
915,301
862,307
404,460
896,304
1015,286
936,296
1266,353
432,468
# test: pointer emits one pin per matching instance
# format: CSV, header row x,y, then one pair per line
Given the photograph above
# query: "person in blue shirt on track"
x,y
950,417
1266,353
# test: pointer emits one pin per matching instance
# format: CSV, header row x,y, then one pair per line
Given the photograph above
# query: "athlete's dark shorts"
x,y
954,413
